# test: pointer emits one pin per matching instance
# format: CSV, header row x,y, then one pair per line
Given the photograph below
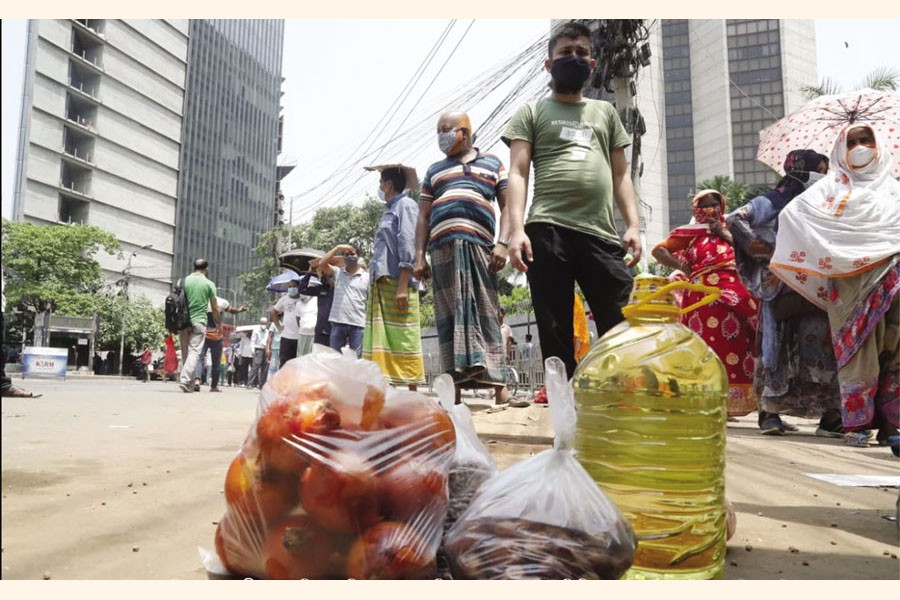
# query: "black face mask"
x,y
569,73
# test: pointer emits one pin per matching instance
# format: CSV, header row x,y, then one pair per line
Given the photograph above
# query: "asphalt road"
x,y
107,478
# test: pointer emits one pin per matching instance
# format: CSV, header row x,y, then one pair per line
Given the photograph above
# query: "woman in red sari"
x,y
703,251
170,363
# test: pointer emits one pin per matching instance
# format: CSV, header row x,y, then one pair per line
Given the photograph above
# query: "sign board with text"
x,y
44,362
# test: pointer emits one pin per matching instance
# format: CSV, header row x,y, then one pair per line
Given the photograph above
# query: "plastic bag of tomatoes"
x,y
339,477
544,517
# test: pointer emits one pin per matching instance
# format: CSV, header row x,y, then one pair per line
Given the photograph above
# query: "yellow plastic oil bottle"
x,y
651,403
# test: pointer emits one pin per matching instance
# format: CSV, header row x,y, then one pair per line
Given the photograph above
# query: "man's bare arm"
x,y
623,192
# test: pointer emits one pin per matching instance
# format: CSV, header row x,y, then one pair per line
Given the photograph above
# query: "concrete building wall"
x,y
46,198
145,202
126,101
125,162
798,60
133,74
125,131
711,99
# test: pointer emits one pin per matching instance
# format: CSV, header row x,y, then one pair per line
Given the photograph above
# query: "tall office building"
x,y
725,81
228,184
100,136
163,132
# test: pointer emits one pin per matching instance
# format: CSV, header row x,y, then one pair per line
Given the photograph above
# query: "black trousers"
x,y
5,382
242,369
561,257
287,351
215,348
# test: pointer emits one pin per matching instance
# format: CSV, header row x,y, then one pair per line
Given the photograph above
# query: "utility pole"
x,y
127,274
621,48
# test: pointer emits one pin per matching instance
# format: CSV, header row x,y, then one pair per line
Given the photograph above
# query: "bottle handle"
x,y
712,294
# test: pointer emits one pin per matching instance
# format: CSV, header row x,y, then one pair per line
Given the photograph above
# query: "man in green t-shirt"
x,y
200,293
577,146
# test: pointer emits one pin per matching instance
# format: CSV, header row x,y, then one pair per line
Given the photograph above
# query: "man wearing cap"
x,y
259,367
200,293
351,289
286,316
392,337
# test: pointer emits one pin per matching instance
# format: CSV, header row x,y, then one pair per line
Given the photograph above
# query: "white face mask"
x,y
814,176
860,156
381,194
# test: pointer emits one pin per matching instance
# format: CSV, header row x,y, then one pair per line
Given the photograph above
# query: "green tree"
x,y
345,224
144,323
884,79
736,193
254,281
517,301
53,267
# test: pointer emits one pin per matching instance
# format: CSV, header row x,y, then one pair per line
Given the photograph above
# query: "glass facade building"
x,y
228,175
676,61
725,81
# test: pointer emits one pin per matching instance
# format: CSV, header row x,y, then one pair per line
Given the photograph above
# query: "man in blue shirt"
x,y
392,338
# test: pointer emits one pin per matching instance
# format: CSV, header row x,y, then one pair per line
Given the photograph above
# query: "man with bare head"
x,y
456,226
577,146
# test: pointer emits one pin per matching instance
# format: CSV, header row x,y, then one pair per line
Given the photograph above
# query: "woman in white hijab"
x,y
838,245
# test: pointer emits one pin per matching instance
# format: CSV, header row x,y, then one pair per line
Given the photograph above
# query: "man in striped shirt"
x,y
456,226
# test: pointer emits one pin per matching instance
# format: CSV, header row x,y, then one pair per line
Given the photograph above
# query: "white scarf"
x,y
846,224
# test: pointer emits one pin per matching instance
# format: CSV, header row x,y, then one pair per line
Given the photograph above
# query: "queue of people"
x,y
808,322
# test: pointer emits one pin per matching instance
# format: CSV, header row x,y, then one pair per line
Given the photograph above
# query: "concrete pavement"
x,y
107,478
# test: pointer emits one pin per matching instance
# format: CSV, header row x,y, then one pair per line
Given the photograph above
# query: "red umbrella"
x,y
817,124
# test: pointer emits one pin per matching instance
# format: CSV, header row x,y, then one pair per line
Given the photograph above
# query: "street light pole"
x,y
127,274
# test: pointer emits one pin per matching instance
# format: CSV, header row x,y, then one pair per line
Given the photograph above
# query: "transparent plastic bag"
x,y
544,517
470,466
339,477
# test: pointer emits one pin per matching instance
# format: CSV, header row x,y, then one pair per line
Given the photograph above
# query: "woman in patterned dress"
x,y
796,373
703,250
837,246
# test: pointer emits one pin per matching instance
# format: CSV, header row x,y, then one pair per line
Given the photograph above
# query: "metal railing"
x,y
529,368
79,120
73,152
82,54
80,87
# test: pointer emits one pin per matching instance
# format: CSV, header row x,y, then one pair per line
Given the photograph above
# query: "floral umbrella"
x,y
817,124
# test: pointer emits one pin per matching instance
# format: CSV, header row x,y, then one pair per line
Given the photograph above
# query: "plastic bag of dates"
x,y
544,517
339,477
470,466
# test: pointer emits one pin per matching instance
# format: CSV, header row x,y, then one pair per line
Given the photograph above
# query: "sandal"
x,y
14,392
857,439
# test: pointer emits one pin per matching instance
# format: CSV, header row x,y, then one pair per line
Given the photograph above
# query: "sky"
x,y
343,76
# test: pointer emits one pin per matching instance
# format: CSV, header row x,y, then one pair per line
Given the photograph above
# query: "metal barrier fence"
x,y
527,362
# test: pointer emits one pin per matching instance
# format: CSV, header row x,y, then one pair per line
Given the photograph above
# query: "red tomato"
x,y
296,549
283,420
425,420
414,489
342,497
262,495
390,550
239,545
